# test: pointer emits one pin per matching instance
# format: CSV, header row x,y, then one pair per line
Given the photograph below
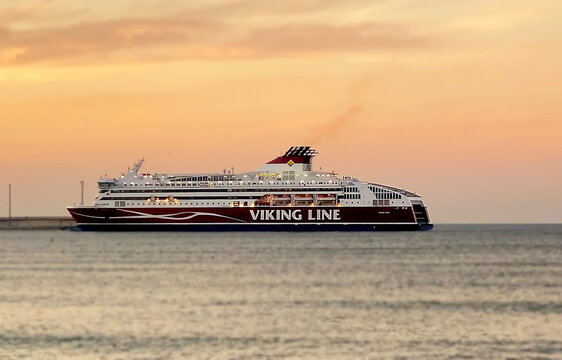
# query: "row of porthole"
x,y
224,203
375,202
235,183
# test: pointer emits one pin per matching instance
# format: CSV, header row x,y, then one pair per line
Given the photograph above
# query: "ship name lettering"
x,y
269,215
276,215
295,215
321,214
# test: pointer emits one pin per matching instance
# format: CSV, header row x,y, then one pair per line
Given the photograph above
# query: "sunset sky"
x,y
460,101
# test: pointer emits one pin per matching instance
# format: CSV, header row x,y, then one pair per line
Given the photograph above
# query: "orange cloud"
x,y
188,38
29,46
206,33
260,7
23,10
358,37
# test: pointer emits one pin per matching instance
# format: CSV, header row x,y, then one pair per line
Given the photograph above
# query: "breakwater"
x,y
37,223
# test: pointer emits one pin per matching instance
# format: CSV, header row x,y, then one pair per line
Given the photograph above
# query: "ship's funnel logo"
x,y
291,163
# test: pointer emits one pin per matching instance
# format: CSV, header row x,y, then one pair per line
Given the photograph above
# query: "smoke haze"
x,y
336,125
357,94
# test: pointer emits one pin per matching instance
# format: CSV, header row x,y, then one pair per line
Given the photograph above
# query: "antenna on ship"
x,y
81,192
9,201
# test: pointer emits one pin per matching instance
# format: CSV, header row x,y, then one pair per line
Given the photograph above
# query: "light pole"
x,y
9,201
81,192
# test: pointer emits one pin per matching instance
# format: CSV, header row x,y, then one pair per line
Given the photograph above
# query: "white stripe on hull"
x,y
258,223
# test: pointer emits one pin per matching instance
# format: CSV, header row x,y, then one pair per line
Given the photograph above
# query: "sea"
x,y
456,292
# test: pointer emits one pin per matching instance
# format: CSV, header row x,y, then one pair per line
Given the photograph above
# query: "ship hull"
x,y
254,227
172,218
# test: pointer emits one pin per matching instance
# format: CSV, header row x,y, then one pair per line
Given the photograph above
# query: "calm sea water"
x,y
459,291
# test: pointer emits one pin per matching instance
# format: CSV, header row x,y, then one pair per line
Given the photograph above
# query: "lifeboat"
x,y
265,200
281,197
281,200
304,199
326,200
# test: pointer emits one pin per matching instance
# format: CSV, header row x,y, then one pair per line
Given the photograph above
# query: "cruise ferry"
x,y
285,194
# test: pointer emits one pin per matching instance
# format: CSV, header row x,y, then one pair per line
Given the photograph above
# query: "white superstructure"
x,y
288,180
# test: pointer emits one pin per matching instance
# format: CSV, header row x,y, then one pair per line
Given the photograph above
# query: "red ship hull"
x,y
250,218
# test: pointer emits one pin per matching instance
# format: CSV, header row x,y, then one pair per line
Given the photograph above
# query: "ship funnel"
x,y
297,158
